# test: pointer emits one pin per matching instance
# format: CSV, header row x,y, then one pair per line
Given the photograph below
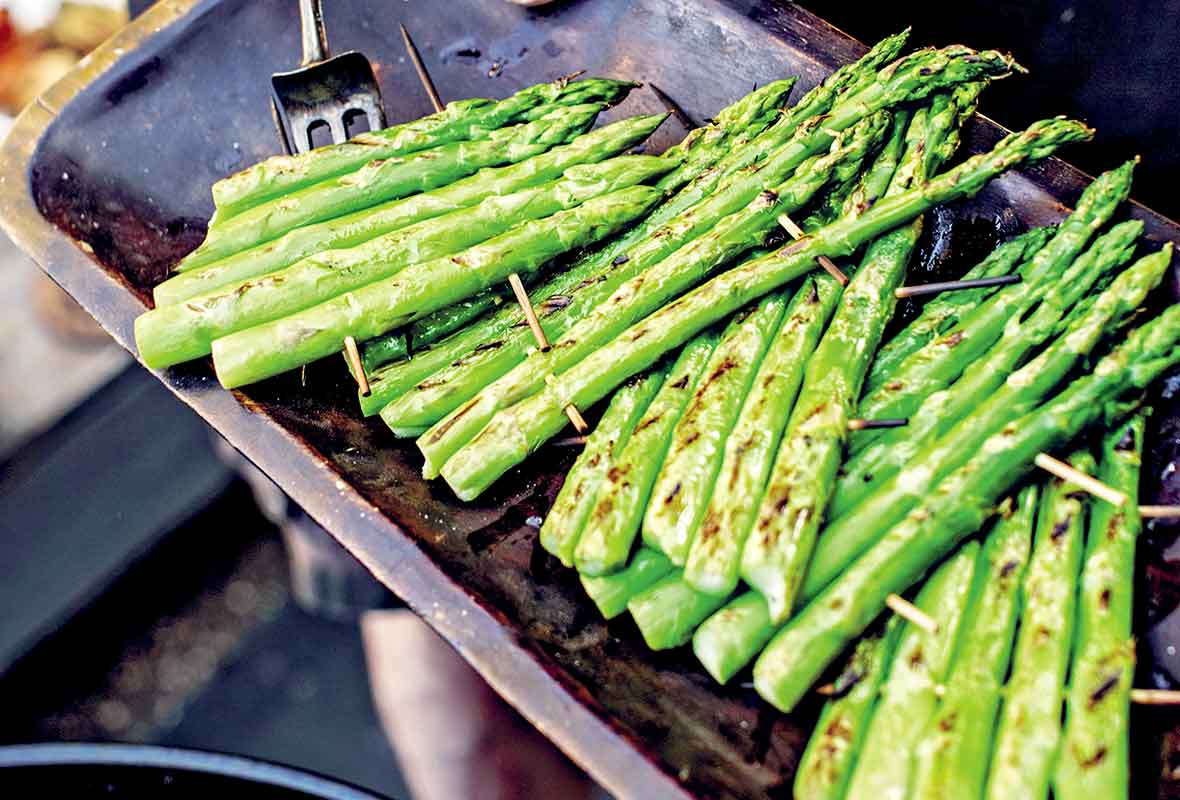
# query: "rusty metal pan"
x,y
105,182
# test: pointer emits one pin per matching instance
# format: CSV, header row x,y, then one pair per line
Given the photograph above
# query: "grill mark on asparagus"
x,y
1104,688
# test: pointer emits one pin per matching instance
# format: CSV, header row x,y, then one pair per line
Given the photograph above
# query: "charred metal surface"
x,y
120,157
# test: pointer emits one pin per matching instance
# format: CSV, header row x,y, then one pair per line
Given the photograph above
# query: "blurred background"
x,y
172,618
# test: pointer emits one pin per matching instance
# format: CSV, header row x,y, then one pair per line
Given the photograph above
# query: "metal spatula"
x,y
324,92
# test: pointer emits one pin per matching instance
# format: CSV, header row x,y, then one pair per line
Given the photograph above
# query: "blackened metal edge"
x,y
512,669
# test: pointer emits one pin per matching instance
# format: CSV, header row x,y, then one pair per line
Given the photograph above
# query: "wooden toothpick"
x,y
953,286
1160,512
358,367
796,233
530,314
570,441
911,613
866,424
1155,697
572,413
420,68
1080,479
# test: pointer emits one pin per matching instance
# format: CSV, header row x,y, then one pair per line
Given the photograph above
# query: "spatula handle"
x,y
315,41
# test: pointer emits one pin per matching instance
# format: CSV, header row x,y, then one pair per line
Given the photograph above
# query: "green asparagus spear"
x,y
885,766
848,535
958,506
618,508
953,754
872,466
1030,721
729,639
945,358
611,593
1094,756
472,360
727,237
681,491
275,347
910,78
668,612
368,223
712,564
185,331
388,179
826,765
563,524
486,457
945,310
460,120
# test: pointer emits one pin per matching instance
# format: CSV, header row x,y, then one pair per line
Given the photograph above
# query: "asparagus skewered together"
x,y
275,347
681,491
185,331
730,234
1030,722
793,505
618,509
884,768
712,564
489,455
1093,761
611,593
461,120
388,179
913,77
361,226
563,524
953,755
943,311
872,466
959,504
698,151
848,535
827,763
944,359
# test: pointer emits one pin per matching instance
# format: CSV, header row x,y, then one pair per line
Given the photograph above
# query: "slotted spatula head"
x,y
331,93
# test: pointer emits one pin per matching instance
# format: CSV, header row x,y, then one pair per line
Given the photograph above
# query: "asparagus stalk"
x,y
796,496
944,359
1030,722
185,331
945,310
827,763
953,754
460,120
884,769
729,639
729,235
1094,756
848,535
668,612
913,77
958,506
361,226
611,593
618,508
682,489
275,347
889,453
712,564
388,179
563,524
486,457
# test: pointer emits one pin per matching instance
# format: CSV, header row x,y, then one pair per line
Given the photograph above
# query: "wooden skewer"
x,y
572,413
952,286
1090,484
522,296
796,233
420,68
571,441
1160,512
911,613
672,107
358,368
866,424
1155,697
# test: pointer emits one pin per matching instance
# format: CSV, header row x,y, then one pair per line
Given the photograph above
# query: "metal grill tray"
x,y
105,182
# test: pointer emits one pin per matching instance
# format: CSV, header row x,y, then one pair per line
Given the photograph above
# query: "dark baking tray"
x,y
105,181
